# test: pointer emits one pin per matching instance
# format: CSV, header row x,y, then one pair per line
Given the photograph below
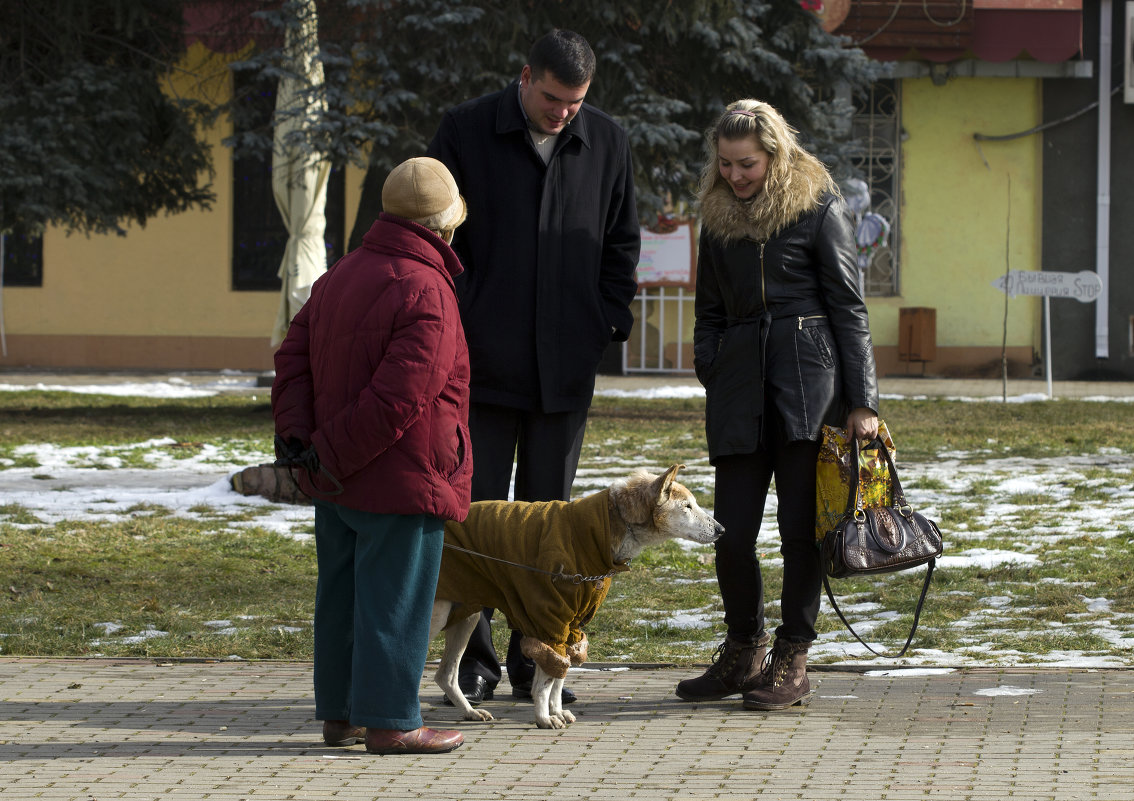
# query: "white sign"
x,y
1083,286
667,258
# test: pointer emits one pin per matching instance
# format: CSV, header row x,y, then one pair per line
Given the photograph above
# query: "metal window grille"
x,y
877,155
259,235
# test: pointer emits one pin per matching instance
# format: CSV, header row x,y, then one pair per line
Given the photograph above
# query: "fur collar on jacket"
x,y
730,219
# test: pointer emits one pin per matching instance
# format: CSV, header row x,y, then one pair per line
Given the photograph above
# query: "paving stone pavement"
x,y
98,729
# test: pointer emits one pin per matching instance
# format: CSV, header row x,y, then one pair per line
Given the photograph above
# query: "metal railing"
x,y
658,343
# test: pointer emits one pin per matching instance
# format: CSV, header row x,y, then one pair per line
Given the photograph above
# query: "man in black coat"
x,y
549,250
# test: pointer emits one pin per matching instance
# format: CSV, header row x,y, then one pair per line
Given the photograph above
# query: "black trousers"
x,y
742,485
545,450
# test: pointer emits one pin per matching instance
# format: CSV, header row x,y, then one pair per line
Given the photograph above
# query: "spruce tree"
x,y
89,137
665,71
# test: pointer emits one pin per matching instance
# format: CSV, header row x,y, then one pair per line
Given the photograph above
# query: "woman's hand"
x,y
862,423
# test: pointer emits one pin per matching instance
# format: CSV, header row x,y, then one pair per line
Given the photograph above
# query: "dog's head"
x,y
661,504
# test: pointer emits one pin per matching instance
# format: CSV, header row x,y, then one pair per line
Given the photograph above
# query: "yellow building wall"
x,y
969,211
161,296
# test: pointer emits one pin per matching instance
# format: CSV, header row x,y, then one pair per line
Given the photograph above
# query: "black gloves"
x,y
292,453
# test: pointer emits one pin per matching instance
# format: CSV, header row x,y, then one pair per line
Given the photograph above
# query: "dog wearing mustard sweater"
x,y
547,566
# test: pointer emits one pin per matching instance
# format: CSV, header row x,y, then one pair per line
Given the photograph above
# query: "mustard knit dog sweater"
x,y
559,537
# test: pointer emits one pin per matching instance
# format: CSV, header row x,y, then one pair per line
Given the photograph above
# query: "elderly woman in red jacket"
x,y
371,398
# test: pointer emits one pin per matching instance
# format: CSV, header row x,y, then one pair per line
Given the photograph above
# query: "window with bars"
x,y
877,155
259,236
23,259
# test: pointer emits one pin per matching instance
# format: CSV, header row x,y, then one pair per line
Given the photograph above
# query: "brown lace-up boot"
x,y
784,681
735,668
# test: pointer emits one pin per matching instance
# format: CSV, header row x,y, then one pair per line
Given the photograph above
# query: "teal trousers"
x,y
377,577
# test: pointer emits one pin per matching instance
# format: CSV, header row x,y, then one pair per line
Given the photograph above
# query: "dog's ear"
x,y
635,496
666,481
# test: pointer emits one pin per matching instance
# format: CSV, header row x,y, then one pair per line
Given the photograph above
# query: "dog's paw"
x,y
552,722
567,717
477,715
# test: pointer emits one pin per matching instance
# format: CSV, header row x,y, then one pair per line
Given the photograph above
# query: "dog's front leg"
x,y
456,640
555,701
547,695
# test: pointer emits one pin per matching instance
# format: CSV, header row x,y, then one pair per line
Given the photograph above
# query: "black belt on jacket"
x,y
765,318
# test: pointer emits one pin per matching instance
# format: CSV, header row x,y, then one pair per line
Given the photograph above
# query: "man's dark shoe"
x,y
523,692
474,687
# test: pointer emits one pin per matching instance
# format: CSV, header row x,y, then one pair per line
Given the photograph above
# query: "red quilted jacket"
x,y
374,372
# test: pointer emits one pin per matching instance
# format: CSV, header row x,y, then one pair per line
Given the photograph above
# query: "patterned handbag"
x,y
881,538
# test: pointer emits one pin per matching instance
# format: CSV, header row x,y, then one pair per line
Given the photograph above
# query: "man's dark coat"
x,y
549,251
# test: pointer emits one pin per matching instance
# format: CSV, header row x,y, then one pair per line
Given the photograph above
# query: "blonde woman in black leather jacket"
x,y
782,345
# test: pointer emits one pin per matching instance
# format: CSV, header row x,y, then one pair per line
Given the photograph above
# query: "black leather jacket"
x,y
781,336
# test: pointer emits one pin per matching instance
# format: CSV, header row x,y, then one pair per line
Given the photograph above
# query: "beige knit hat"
x,y
423,190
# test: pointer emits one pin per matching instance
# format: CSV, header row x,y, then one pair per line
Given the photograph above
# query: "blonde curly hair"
x,y
793,184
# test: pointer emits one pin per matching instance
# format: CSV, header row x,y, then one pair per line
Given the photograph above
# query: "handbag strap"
x,y
897,494
916,617
853,502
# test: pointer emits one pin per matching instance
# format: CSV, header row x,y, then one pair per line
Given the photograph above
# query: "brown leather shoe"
x,y
417,741
339,733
